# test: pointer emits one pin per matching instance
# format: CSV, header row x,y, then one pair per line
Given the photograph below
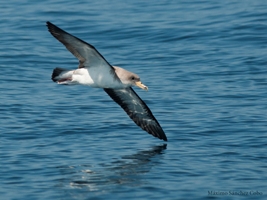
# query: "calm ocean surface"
x,y
205,65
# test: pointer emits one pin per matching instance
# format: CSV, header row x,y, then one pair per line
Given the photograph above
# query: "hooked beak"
x,y
142,86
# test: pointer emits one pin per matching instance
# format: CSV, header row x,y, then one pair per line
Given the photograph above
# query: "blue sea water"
x,y
205,65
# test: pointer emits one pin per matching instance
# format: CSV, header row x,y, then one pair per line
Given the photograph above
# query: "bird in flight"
x,y
95,71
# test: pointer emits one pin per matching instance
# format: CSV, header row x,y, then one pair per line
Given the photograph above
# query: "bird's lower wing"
x,y
137,110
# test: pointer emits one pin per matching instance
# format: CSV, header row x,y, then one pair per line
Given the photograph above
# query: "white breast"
x,y
92,78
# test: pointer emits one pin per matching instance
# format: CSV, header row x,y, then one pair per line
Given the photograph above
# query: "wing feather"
x,y
137,110
86,53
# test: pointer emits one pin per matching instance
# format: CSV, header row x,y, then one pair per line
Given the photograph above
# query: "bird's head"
x,y
129,78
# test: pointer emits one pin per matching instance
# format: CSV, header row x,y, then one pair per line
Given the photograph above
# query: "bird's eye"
x,y
132,78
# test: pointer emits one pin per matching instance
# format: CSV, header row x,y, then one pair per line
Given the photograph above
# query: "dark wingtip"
x,y
50,27
161,135
49,24
53,29
165,138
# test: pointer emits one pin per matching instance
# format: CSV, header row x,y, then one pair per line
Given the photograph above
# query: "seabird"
x,y
95,71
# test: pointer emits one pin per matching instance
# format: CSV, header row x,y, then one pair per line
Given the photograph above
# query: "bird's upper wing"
x,y
87,54
137,110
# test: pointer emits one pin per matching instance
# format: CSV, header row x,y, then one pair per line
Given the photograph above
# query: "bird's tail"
x,y
62,76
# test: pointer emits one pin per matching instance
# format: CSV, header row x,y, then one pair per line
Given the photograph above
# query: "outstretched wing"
x,y
87,54
137,110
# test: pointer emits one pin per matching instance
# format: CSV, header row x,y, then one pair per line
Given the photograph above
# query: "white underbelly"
x,y
85,77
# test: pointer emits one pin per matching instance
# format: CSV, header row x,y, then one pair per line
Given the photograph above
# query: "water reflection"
x,y
128,170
